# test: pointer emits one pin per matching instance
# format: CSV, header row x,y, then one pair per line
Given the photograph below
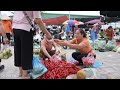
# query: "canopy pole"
x,y
69,15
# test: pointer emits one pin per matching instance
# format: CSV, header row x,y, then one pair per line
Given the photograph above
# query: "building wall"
x,y
51,15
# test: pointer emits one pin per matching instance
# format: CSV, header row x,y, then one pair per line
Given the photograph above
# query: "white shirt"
x,y
20,21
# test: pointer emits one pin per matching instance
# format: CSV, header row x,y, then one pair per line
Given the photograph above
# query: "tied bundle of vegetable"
x,y
115,49
58,70
118,50
101,45
110,45
5,54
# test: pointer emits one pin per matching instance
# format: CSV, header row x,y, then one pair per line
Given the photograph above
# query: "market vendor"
x,y
48,48
109,34
79,43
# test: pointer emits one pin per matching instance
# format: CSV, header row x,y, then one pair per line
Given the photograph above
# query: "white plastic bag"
x,y
5,52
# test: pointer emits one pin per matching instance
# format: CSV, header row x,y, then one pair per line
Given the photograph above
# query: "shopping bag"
x,y
38,68
89,60
5,52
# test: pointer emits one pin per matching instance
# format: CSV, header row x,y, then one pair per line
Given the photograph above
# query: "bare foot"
x,y
20,71
26,77
25,74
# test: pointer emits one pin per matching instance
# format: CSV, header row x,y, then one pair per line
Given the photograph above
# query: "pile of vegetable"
x,y
110,45
59,69
118,50
5,54
115,48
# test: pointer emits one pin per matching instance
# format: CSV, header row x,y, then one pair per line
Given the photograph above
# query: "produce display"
x,y
110,45
115,48
118,50
59,70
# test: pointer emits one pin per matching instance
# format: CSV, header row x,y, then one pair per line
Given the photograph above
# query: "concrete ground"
x,y
110,60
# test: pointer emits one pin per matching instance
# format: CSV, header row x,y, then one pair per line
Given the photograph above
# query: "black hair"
x,y
83,33
109,27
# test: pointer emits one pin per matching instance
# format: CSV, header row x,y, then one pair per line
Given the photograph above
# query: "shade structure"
x,y
71,22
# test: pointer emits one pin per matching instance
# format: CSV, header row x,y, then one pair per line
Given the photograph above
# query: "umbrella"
x,y
94,21
71,22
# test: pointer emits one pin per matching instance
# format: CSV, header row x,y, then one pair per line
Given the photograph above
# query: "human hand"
x,y
62,43
57,40
50,58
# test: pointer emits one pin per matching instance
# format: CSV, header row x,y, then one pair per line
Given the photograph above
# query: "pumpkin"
x,y
81,74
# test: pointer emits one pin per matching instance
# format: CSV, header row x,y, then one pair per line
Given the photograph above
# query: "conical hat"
x,y
5,17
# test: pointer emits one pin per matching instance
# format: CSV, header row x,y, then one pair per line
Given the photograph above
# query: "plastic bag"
x,y
118,50
91,73
38,68
72,60
101,45
72,76
89,60
36,46
97,64
5,52
111,44
56,57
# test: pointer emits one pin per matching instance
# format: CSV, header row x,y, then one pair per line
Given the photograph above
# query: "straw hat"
x,y
5,17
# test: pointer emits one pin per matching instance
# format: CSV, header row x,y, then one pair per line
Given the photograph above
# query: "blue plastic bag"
x,y
97,64
72,60
38,68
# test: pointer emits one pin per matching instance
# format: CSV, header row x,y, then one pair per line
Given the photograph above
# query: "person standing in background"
x,y
109,34
67,30
7,26
23,39
6,41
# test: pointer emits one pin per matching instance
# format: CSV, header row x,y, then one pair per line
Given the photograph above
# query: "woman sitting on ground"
x,y
80,43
